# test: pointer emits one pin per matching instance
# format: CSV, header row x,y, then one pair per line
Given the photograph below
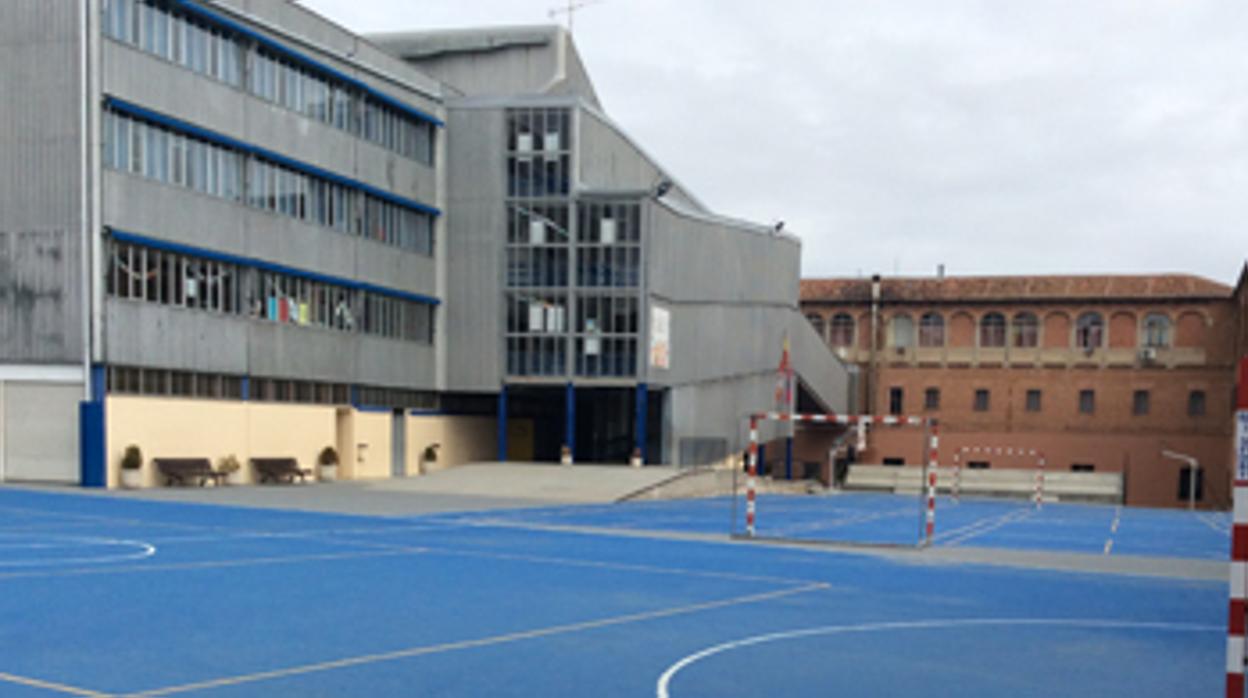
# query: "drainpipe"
x,y
875,323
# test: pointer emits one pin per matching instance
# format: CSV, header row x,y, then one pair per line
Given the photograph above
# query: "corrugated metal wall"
x,y
40,296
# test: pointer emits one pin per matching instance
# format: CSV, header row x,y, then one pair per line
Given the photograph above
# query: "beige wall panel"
x,y
462,440
372,446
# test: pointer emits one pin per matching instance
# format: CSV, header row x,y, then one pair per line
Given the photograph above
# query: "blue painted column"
x,y
246,388
92,436
569,413
642,412
502,424
788,458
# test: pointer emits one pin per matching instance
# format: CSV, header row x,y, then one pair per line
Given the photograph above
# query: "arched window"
x,y
903,331
1156,331
1090,331
1026,330
931,330
816,321
992,330
842,330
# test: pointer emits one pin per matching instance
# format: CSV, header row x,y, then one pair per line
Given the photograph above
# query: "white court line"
x,y
50,686
662,689
1213,521
208,564
144,550
481,642
957,536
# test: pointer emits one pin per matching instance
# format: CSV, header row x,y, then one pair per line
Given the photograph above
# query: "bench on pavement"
x,y
280,470
181,471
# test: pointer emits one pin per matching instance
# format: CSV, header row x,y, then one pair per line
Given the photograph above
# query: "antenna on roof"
x,y
571,9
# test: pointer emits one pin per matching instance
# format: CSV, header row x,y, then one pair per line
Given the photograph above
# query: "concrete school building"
x,y
235,228
1101,373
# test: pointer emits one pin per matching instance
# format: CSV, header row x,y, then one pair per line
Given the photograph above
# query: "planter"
x,y
328,473
131,478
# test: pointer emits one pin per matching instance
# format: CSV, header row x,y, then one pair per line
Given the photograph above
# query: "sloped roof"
x,y
1017,288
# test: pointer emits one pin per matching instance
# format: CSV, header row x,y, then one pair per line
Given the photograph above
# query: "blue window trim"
x,y
179,248
226,23
124,107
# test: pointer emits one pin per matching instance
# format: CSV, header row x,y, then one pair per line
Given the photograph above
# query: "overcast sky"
x,y
994,136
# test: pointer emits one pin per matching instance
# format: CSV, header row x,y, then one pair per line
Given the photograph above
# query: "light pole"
x,y
1193,467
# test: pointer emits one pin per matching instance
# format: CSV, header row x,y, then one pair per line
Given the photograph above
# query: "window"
x,y
1156,331
992,330
931,330
896,401
842,330
1089,332
1140,402
1082,468
1087,401
1026,330
894,461
931,399
1196,403
1033,400
1191,484
981,400
979,465
903,332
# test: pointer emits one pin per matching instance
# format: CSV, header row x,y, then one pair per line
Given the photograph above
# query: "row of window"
x,y
595,314
1141,401
157,27
162,154
545,129
597,223
135,380
168,278
596,357
1023,330
596,267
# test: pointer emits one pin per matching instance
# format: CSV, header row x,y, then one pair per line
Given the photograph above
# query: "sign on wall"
x,y
660,337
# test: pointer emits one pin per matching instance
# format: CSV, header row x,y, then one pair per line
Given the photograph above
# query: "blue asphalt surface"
x,y
111,597
898,520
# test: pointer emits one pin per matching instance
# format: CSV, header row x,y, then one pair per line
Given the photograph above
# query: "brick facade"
x,y
1104,372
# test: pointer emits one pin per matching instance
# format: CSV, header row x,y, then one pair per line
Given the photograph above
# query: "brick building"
x,y
1102,373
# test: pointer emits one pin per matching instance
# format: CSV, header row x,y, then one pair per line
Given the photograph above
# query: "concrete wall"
x,y
40,185
476,228
1151,479
39,430
462,440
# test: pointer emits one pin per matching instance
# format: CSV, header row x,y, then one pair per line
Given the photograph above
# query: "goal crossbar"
x,y
966,452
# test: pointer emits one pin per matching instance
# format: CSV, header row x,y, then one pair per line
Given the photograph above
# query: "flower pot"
x,y
131,478
329,472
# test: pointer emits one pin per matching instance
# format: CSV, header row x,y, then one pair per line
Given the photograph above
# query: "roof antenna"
x,y
571,9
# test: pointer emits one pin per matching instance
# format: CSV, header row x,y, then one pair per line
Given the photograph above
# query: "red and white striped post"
x,y
933,466
1039,480
751,481
1239,545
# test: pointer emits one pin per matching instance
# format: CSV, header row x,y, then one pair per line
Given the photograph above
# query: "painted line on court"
x,y
50,686
144,551
662,689
507,638
962,535
210,564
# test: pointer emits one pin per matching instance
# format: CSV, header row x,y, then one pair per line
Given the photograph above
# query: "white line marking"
x,y
1109,545
144,550
982,527
662,689
480,642
50,686
207,564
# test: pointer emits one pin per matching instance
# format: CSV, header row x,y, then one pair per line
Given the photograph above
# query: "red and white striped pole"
x,y
1239,545
1039,480
751,480
932,467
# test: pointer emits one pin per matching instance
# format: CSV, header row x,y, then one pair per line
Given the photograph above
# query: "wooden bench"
x,y
280,470
180,471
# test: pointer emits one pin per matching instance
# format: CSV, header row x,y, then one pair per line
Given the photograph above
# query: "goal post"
x,y
930,462
966,453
